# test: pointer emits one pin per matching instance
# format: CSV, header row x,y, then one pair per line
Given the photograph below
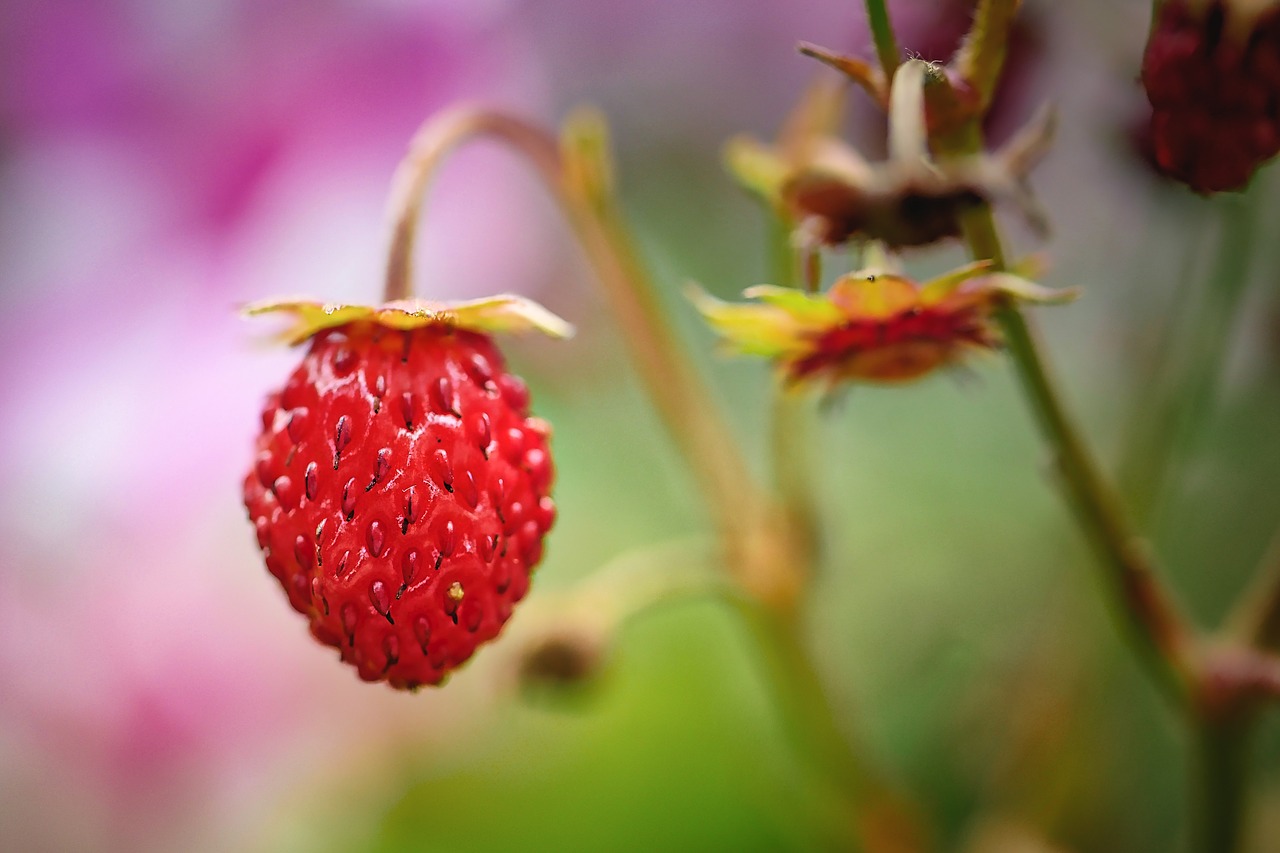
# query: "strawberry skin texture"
x,y
400,494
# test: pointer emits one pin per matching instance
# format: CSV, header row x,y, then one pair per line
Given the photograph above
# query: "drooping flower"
x,y
834,195
874,325
1212,74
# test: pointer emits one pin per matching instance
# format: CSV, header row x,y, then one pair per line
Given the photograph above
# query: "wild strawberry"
x,y
1212,74
401,491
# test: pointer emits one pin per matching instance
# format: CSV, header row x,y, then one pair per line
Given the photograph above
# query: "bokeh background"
x,y
164,161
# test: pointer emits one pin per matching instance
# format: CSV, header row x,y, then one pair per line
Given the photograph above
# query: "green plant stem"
x,y
882,34
648,578
880,820
981,57
682,399
1156,626
883,821
791,434
1219,791
1165,639
1255,620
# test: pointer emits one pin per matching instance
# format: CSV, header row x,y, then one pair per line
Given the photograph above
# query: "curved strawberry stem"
x,y
433,142
680,397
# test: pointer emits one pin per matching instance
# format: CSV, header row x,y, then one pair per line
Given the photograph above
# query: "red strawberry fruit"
x,y
401,491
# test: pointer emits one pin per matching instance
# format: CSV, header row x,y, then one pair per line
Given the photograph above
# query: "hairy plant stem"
x,y
882,34
762,546
878,818
981,57
1168,644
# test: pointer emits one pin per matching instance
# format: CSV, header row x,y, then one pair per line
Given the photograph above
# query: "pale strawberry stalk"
x,y
680,397
982,54
435,139
568,638
758,540
769,547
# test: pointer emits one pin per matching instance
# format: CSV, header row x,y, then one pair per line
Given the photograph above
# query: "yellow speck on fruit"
x,y
455,591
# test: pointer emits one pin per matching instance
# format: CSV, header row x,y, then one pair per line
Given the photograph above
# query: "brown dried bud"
x,y
572,654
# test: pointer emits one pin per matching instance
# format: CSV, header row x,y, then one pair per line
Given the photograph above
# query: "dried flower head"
x,y
874,325
834,195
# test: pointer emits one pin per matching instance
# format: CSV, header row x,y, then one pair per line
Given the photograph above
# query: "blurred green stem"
x,y
767,547
1159,630
1219,786
1155,625
1183,393
1167,642
1256,617
684,402
640,581
879,820
882,34
791,437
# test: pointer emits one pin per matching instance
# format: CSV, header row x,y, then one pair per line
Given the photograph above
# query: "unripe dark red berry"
x,y
1212,75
